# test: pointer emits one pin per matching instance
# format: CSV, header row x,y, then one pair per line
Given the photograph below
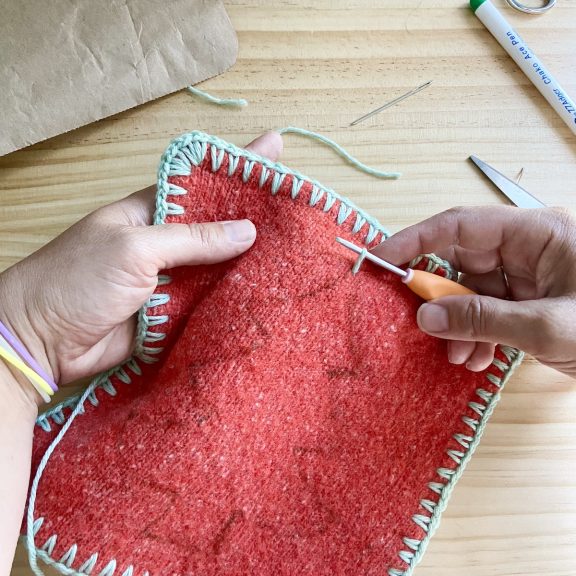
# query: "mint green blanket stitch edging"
x,y
181,156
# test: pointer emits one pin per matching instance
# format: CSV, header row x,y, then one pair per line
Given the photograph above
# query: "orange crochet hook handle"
x,y
430,286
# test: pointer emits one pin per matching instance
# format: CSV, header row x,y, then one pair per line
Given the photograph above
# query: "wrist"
x,y
19,320
17,393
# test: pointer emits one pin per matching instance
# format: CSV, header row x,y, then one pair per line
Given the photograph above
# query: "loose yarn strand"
x,y
341,151
241,102
30,537
231,102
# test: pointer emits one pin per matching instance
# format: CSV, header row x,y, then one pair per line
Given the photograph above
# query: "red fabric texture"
x,y
291,425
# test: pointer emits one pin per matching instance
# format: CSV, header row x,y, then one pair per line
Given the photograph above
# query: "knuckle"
x,y
124,241
547,329
563,214
101,213
97,220
204,234
560,225
567,226
455,212
561,219
476,316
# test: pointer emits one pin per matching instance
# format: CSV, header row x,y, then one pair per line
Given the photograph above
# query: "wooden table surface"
x,y
319,64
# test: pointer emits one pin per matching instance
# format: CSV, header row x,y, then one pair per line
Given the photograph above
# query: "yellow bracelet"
x,y
36,380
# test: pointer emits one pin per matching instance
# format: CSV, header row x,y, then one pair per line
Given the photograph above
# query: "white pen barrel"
x,y
528,62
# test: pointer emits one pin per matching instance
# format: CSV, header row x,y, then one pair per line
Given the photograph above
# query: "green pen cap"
x,y
475,4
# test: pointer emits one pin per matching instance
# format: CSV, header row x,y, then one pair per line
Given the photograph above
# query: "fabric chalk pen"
x,y
427,285
510,40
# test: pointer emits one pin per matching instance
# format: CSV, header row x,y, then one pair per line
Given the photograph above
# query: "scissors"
x,y
513,191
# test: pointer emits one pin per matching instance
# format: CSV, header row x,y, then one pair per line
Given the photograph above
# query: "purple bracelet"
x,y
26,356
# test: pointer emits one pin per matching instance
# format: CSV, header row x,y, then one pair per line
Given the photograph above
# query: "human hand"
x,y
73,302
537,251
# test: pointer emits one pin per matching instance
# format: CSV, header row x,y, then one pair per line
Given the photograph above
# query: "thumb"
x,y
522,325
174,245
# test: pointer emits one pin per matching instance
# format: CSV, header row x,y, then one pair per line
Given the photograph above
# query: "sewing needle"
x,y
391,103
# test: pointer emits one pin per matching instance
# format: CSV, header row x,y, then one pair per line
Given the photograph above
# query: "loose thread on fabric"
x,y
341,151
230,102
359,260
30,536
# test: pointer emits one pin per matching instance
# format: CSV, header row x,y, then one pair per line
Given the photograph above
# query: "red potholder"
x,y
280,416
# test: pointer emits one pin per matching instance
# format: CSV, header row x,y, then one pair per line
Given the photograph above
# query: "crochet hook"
x,y
427,285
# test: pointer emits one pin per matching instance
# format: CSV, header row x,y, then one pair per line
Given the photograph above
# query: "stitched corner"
x,y
187,152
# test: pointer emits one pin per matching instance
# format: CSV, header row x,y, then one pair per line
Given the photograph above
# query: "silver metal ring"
x,y
529,10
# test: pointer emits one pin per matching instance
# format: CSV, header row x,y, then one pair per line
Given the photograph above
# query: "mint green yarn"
x,y
339,150
240,102
231,102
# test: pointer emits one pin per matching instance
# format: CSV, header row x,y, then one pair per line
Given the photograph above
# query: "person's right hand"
x,y
537,251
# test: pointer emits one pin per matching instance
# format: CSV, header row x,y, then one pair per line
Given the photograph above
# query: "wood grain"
x,y
319,64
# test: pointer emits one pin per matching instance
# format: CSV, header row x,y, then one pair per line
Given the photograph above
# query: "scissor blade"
x,y
514,192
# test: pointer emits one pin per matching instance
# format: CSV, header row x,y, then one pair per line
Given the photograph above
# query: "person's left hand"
x,y
73,302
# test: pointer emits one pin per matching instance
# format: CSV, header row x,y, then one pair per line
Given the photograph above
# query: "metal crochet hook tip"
x,y
391,103
425,284
363,252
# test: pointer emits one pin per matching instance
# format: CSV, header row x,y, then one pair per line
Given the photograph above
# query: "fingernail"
x,y
457,354
473,367
433,318
240,231
457,359
478,367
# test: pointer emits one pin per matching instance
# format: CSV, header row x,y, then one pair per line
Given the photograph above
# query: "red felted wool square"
x,y
279,416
